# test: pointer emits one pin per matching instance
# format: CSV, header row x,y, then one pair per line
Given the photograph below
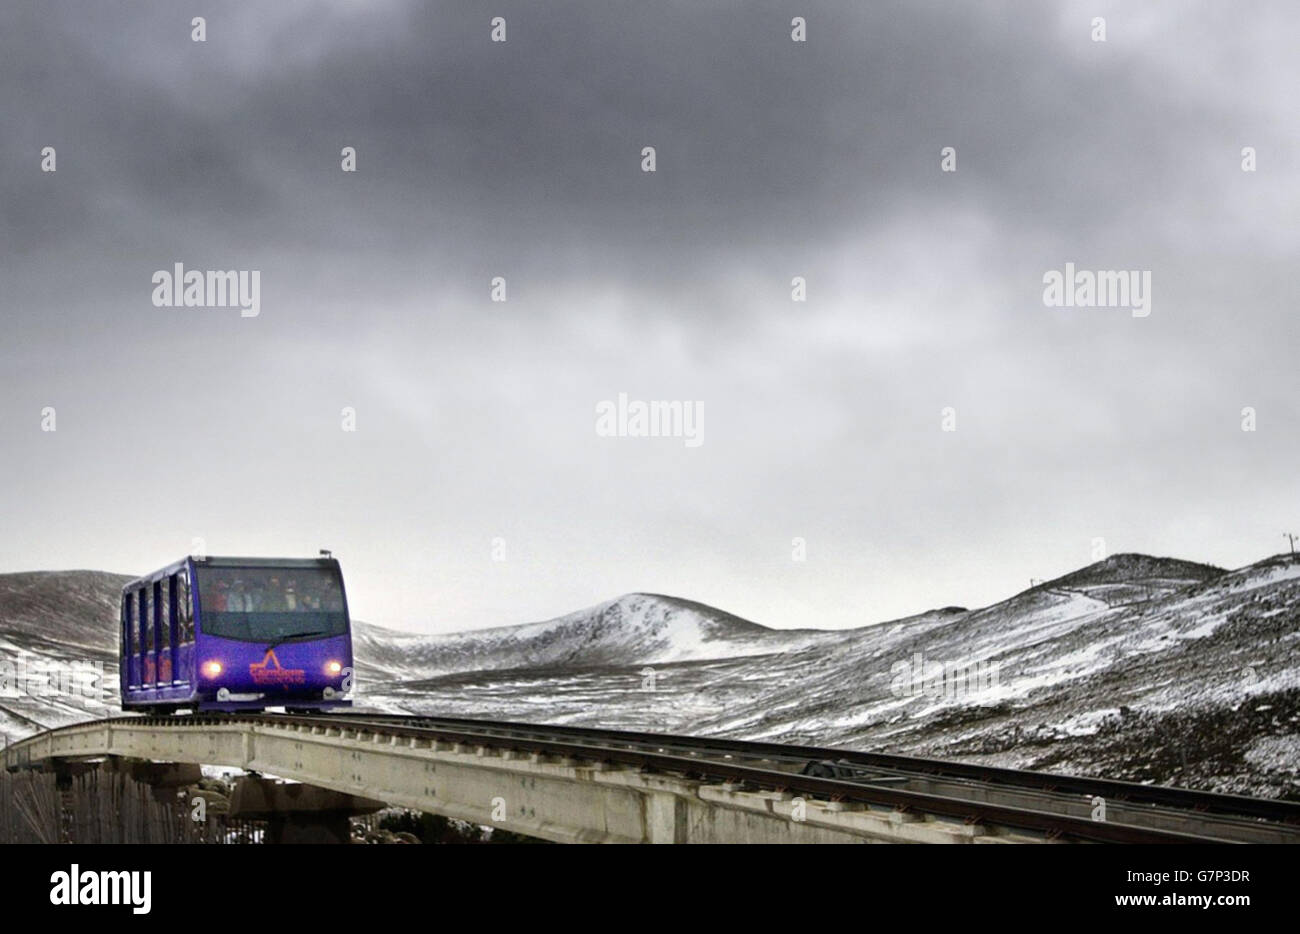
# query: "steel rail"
x,y
1182,799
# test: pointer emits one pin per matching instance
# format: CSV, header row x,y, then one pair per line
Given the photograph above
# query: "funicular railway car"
x,y
209,633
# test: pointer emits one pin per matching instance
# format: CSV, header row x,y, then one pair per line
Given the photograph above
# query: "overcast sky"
x,y
475,420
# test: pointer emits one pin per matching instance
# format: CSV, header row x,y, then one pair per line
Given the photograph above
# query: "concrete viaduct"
x,y
559,791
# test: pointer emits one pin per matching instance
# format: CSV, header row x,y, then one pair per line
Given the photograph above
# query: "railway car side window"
x,y
137,627
164,615
127,626
184,608
146,620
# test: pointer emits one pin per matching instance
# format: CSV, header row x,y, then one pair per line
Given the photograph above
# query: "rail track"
x,y
1220,817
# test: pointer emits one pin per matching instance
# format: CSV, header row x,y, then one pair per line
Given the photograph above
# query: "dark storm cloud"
x,y
775,159
532,146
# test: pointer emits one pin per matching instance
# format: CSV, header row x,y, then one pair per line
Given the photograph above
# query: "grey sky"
x,y
775,159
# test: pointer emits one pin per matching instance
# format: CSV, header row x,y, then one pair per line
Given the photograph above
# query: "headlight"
x,y
333,668
211,669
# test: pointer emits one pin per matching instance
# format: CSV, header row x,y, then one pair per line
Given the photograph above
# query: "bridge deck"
x,y
571,784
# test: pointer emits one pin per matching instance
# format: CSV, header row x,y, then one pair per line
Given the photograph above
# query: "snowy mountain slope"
x,y
49,622
1128,578
1199,684
61,611
633,629
1135,667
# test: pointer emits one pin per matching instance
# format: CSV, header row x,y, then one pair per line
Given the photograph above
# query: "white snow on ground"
x,y
1085,724
1280,753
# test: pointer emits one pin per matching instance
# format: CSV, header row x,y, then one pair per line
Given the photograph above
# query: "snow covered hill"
x,y
634,629
1151,669
1136,667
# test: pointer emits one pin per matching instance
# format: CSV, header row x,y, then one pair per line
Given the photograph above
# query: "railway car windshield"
x,y
271,604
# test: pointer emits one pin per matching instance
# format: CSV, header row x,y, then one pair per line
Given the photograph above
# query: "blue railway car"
x,y
209,633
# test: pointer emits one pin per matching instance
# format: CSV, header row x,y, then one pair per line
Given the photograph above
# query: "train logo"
x,y
269,671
